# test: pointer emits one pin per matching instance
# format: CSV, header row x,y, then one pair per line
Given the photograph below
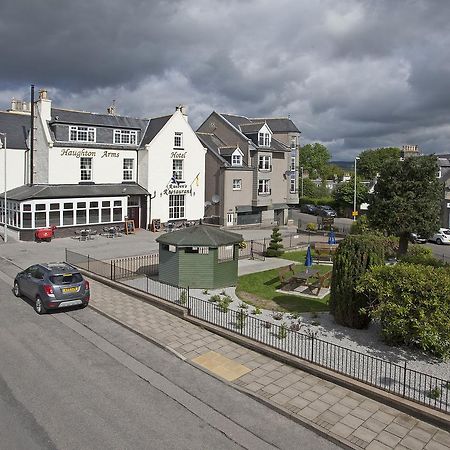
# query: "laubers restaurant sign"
x,y
177,187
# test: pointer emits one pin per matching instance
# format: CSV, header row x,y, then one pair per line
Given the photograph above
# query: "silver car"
x,y
52,286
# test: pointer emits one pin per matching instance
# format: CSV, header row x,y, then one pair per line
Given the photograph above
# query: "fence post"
x,y
66,253
251,249
312,348
88,262
404,381
147,284
188,301
290,241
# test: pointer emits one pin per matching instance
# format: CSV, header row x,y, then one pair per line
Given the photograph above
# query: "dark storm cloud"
x,y
353,74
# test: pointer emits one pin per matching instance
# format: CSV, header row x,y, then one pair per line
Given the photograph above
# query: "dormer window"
x,y
81,134
236,157
236,160
264,139
125,137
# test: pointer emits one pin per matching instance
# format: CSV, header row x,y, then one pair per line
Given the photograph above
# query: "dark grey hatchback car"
x,y
52,286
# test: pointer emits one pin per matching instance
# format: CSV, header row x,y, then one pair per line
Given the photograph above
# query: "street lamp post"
x,y
4,174
301,192
354,192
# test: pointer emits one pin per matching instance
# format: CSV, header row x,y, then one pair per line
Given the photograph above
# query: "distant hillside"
x,y
346,165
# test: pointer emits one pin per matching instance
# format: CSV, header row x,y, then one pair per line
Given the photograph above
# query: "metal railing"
x,y
394,378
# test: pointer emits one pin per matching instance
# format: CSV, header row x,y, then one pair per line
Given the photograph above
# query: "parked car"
x,y
52,286
308,209
326,211
442,236
417,239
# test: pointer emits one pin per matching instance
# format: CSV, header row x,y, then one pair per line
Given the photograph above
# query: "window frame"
x,y
178,139
120,134
265,163
237,163
264,187
91,134
177,211
238,185
88,170
178,172
128,172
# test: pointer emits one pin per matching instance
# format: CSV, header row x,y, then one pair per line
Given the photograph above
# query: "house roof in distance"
x,y
43,191
68,116
200,236
16,127
278,124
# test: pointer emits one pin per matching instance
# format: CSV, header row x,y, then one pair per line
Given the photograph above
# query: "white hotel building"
x,y
94,170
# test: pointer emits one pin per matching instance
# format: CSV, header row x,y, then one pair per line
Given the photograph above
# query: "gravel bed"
x,y
367,341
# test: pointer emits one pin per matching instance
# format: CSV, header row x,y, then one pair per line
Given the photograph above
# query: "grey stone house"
x,y
251,168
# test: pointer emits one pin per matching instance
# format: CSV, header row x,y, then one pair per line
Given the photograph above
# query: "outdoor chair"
x,y
318,282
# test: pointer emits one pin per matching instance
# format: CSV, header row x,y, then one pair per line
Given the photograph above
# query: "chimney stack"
x,y
183,110
44,105
111,110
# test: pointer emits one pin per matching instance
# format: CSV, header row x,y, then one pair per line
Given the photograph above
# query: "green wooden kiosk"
x,y
201,256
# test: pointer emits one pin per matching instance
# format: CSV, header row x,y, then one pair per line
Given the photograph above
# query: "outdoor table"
x,y
303,277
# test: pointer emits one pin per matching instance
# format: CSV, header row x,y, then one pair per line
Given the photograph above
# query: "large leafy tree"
x,y
371,161
407,199
314,158
344,193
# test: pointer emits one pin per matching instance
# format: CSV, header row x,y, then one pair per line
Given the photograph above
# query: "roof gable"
x,y
16,127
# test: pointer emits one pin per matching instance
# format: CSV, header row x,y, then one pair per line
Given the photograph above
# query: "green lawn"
x,y
259,289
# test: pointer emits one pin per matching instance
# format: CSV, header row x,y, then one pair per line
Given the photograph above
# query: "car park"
x,y
441,237
417,239
326,211
52,286
308,209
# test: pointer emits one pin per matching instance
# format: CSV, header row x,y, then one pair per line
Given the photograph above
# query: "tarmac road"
x,y
76,380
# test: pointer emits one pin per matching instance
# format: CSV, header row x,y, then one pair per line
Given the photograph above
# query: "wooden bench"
x,y
285,274
318,282
324,251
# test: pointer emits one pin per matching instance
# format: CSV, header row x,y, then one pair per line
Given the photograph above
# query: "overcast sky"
x,y
351,74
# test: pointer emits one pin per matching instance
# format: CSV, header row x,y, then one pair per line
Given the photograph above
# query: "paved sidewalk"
x,y
349,417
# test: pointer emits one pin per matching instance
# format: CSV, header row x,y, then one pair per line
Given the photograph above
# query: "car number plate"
x,y
68,290
70,303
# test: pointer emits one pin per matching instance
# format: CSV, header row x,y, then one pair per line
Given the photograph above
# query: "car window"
x,y
66,278
38,273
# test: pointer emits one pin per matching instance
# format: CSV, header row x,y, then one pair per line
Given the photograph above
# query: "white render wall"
x,y
156,169
16,168
107,165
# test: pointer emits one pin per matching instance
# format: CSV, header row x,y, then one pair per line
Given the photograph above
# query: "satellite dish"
x,y
215,199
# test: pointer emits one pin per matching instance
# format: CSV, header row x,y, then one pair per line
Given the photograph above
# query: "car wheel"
x,y
16,289
439,241
39,306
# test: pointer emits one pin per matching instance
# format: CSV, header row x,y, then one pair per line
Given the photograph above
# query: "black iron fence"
x,y
394,378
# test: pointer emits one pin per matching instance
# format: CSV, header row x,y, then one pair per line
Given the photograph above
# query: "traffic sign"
x,y
354,213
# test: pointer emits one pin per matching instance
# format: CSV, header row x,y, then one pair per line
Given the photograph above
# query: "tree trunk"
x,y
403,243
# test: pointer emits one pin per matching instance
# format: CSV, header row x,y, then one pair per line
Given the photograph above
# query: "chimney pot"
x,y
42,94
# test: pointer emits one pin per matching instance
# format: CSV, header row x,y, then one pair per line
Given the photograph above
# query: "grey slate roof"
x,y
236,121
87,118
227,150
41,191
200,236
248,128
279,124
16,126
153,128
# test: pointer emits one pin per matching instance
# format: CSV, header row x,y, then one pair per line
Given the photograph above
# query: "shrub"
x,y
360,226
256,311
275,246
311,226
412,302
183,298
354,256
241,316
419,254
282,331
214,298
243,305
224,303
